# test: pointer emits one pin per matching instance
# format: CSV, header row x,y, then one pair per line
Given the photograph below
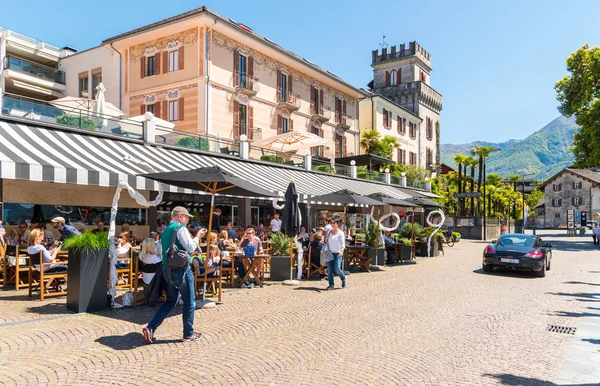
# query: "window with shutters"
x,y
556,187
284,125
577,201
556,215
173,111
316,101
150,108
412,130
174,60
556,202
283,89
401,156
387,118
412,158
338,110
243,119
429,130
242,71
393,78
339,146
428,158
577,185
150,65
317,151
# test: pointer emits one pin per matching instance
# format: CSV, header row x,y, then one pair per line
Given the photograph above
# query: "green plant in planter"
x,y
426,232
372,235
326,168
406,242
87,240
407,230
396,237
280,244
272,158
360,236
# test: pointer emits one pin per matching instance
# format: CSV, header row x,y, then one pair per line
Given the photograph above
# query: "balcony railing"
x,y
320,113
36,110
343,121
290,102
245,84
252,132
35,69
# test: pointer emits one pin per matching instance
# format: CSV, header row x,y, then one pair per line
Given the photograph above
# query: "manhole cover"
x,y
561,329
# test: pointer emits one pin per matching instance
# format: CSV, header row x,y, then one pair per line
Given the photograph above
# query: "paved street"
x,y
440,322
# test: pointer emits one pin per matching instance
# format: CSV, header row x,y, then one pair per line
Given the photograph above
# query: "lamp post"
x,y
523,195
485,196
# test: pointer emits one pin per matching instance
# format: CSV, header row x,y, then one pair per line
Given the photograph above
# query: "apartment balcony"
x,y
343,121
289,102
21,74
245,84
253,133
320,114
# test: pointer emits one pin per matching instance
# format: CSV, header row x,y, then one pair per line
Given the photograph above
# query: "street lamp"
x,y
485,196
523,195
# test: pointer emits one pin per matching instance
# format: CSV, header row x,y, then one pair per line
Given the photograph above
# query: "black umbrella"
x,y
389,200
291,218
211,180
346,197
424,202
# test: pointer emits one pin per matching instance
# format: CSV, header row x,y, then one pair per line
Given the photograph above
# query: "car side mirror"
x,y
548,245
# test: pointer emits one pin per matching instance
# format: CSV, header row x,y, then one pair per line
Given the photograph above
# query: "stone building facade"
x,y
403,74
576,189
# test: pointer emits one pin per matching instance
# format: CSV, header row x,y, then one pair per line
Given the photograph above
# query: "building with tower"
x,y
403,76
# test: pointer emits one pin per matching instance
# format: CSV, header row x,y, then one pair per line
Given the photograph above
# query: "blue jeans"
x,y
334,266
184,278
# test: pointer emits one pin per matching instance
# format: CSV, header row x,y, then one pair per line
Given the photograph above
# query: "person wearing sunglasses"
x,y
21,235
250,239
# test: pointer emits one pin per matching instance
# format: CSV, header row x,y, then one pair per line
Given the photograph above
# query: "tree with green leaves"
x,y
459,160
579,94
373,143
481,152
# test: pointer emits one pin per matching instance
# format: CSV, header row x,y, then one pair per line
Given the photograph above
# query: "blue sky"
x,y
495,62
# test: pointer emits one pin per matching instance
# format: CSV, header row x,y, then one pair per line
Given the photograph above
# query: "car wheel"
x,y
488,268
548,266
541,272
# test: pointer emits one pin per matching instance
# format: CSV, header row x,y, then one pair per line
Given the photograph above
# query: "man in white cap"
x,y
65,230
182,280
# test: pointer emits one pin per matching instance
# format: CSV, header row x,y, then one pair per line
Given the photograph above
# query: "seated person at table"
x,y
195,235
315,249
232,234
35,247
223,242
49,238
389,247
21,235
123,248
156,237
303,237
213,262
260,231
151,259
250,239
100,228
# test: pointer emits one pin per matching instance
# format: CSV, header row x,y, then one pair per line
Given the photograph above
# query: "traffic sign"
x,y
468,195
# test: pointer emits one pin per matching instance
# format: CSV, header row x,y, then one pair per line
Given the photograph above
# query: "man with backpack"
x,y
177,246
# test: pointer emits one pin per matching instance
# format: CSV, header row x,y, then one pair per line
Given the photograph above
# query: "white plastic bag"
x,y
128,299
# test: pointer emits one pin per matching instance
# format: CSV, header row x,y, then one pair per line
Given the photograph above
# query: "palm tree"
x,y
371,140
482,152
459,160
472,163
389,144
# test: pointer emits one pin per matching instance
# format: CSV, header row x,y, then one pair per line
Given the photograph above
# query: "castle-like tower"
x,y
403,75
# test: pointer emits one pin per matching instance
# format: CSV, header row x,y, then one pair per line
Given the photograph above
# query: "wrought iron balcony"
x,y
287,101
245,84
320,113
37,70
342,121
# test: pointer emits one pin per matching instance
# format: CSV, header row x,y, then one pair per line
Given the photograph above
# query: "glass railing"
x,y
371,176
396,180
29,39
36,110
35,69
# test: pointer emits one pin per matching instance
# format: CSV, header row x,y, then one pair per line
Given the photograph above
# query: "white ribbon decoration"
x,y
276,206
141,200
385,217
437,226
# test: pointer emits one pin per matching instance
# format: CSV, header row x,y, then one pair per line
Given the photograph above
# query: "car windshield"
x,y
519,240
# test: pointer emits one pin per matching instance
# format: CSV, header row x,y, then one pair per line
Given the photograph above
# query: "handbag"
x,y
249,250
326,255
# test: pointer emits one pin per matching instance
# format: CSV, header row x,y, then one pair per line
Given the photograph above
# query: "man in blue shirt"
x,y
230,232
65,230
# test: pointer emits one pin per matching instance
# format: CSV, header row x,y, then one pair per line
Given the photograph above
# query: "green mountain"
x,y
542,154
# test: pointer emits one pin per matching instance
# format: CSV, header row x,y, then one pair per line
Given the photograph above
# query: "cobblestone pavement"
x,y
440,322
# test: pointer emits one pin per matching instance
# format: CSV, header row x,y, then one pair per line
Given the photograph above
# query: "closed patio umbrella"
x,y
291,218
390,200
99,106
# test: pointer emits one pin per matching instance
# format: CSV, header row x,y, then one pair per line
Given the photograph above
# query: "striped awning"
x,y
44,153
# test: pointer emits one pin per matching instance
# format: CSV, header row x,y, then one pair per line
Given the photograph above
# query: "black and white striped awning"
x,y
39,153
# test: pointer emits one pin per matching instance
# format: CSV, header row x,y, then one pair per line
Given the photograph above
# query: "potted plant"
x,y
88,271
372,239
411,232
424,237
456,236
280,257
360,237
406,251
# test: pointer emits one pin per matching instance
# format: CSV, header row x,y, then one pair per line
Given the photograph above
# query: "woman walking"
x,y
336,242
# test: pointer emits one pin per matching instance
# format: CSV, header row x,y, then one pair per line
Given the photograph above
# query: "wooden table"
x,y
357,255
251,263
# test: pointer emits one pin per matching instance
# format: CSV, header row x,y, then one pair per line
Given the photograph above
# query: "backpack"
x,y
177,258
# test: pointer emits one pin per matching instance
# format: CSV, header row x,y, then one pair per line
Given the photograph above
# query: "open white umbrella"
x,y
291,141
76,105
99,106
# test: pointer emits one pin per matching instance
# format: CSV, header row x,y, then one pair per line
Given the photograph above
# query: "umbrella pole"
x,y
210,217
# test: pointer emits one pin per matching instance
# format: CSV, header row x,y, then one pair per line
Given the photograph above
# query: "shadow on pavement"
x,y
50,309
575,314
580,245
582,296
314,289
515,380
508,273
129,341
580,282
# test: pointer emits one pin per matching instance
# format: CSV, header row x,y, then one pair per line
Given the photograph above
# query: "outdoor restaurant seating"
x,y
357,256
312,267
3,265
42,281
17,266
203,282
125,274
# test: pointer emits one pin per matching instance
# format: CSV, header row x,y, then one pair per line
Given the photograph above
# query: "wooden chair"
x,y
3,265
126,274
44,281
18,269
313,268
229,272
137,279
215,283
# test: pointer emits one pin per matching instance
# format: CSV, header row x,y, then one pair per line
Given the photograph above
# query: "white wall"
x,y
100,57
